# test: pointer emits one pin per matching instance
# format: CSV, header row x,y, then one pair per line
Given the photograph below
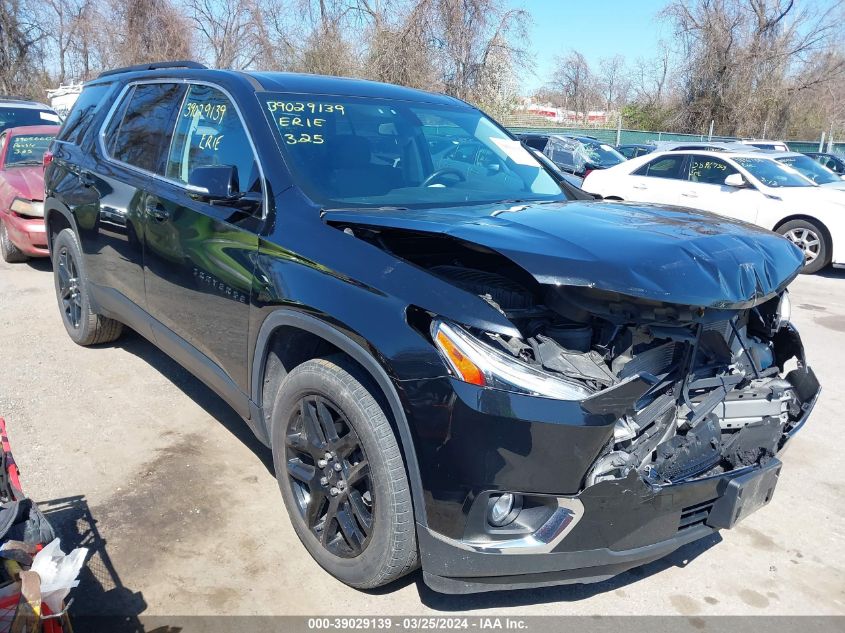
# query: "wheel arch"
x,y
56,218
328,339
809,218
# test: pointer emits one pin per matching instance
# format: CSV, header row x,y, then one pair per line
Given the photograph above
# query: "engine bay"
x,y
696,391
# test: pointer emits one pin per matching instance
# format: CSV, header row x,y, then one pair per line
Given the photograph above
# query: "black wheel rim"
x,y
69,293
330,477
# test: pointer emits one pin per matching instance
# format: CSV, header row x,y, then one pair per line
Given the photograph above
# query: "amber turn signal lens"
x,y
469,371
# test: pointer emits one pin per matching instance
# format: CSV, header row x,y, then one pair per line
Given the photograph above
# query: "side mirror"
x,y
736,180
218,185
214,183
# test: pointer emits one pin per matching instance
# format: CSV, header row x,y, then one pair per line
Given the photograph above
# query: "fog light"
x,y
503,509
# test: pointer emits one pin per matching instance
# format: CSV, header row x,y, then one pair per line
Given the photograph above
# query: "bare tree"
x,y
21,42
574,80
613,81
747,62
229,31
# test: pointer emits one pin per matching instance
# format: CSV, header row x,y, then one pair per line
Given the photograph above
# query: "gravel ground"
x,y
135,458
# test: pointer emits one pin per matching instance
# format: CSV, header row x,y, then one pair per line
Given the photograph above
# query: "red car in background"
x,y
22,233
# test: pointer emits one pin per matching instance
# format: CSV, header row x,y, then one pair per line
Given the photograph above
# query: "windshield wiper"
x,y
326,210
521,201
25,162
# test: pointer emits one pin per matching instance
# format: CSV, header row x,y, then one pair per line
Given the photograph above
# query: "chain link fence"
x,y
624,136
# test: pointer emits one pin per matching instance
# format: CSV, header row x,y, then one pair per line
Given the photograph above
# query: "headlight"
x,y
784,311
27,208
477,363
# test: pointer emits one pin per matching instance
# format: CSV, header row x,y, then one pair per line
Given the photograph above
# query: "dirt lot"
x,y
138,460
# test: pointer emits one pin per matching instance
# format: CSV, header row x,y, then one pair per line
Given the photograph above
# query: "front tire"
x,y
341,473
11,254
84,326
812,239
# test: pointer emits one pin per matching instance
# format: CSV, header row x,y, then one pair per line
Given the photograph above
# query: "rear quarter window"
x,y
83,112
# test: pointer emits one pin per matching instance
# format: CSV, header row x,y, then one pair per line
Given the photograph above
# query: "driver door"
x,y
705,189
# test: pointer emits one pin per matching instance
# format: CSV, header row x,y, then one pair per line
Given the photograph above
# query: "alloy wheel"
x,y
807,240
330,477
69,292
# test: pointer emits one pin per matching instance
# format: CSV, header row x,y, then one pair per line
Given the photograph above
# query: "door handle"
x,y
155,210
86,179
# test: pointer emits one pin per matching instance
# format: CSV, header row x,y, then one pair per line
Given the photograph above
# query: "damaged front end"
x,y
695,391
617,411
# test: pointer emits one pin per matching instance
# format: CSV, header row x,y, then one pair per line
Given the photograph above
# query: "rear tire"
x,y
84,326
11,254
812,239
352,510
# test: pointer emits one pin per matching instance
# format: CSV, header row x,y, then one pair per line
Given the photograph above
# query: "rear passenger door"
x,y
660,180
133,145
199,256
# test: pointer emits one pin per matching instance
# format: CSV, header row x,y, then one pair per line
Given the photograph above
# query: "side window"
x,y
562,154
82,113
664,167
142,134
710,171
209,133
537,143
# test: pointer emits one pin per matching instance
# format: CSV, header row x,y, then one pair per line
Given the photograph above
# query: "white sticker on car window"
x,y
515,151
49,116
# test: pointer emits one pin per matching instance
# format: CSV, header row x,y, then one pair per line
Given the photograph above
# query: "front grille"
x,y
695,515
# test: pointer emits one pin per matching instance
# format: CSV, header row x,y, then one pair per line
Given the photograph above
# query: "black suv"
x,y
471,370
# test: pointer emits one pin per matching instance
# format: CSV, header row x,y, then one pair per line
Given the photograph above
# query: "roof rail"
x,y
153,66
17,98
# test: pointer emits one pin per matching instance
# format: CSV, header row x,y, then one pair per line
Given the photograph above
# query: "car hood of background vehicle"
x,y
27,181
659,253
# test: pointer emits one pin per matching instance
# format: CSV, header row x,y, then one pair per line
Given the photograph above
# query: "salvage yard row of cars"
x,y
459,360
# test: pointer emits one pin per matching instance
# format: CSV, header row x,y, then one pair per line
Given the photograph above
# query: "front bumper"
x,y
28,234
618,525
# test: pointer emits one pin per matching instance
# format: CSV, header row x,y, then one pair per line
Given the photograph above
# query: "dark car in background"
x,y
834,162
481,374
632,150
577,155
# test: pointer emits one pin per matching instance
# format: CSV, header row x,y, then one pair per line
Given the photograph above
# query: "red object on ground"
x,y
24,181
11,466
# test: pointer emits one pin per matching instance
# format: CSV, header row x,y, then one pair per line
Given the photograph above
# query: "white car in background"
x,y
747,186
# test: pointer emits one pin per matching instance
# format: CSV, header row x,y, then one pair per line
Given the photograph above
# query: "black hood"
x,y
669,254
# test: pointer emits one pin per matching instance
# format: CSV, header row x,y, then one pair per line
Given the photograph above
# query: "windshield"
x,y
19,117
811,169
601,154
28,149
773,174
354,152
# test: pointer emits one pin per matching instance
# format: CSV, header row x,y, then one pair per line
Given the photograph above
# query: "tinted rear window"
x,y
79,119
146,120
663,167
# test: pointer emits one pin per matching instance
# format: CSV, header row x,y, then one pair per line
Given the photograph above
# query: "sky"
x,y
596,28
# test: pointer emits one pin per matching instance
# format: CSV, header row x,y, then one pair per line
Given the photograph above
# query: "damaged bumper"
x,y
615,523
605,530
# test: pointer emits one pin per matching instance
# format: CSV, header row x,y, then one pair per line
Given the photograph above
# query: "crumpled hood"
x,y
669,254
27,181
